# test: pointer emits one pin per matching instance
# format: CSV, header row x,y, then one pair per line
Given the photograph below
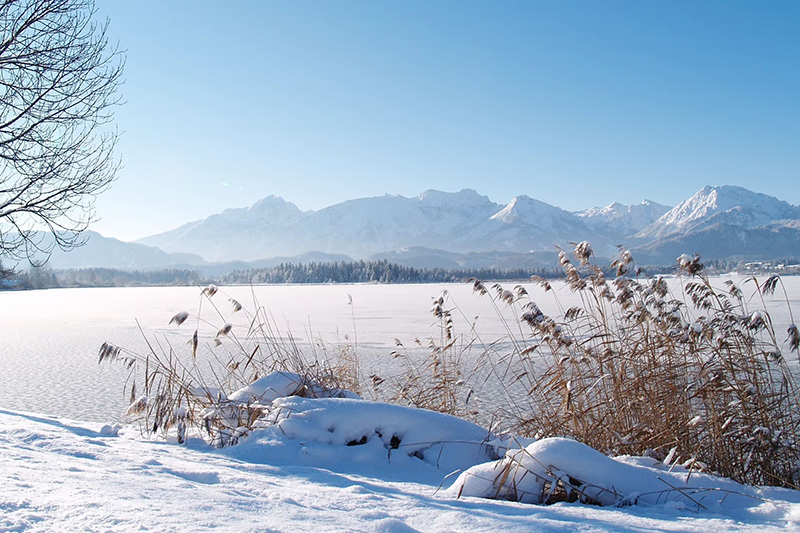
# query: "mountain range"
x,y
463,229
462,222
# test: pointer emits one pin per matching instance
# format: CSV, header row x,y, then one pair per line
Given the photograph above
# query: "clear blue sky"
x,y
577,104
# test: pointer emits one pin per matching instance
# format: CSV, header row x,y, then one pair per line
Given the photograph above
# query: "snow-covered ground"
x,y
61,475
329,465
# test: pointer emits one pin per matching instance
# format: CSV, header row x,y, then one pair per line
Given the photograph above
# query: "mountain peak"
x,y
623,220
530,211
267,202
463,199
464,222
431,194
274,207
729,204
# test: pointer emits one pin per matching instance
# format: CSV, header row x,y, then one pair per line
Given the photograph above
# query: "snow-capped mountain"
x,y
620,220
272,211
365,226
454,222
527,224
724,241
729,205
528,211
441,228
458,230
725,222
105,252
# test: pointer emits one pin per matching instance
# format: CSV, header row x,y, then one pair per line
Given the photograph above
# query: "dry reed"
x,y
171,389
697,379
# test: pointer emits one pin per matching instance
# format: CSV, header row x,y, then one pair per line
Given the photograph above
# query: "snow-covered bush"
x,y
228,418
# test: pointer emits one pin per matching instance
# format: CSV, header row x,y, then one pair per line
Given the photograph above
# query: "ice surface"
x,y
51,338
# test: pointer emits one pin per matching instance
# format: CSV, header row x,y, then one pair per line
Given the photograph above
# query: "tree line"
x,y
372,272
315,272
47,278
381,271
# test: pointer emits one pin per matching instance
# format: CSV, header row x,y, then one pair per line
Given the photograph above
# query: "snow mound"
x,y
276,385
233,415
268,388
382,432
537,473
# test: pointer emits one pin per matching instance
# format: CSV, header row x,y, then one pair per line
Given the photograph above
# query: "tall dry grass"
x,y
175,389
435,381
697,378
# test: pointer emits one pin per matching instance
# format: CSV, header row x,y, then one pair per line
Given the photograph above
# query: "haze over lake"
x,y
51,338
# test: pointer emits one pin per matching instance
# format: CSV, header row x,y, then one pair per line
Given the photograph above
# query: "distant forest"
x,y
373,272
47,278
318,272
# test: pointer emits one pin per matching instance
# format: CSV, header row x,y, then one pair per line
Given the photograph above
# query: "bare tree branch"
x,y
58,88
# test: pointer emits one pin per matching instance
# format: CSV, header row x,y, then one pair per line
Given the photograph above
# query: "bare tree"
x,y
58,83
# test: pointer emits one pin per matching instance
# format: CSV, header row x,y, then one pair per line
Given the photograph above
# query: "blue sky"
x,y
577,104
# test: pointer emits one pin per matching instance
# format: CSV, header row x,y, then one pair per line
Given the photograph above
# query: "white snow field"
x,y
61,475
325,464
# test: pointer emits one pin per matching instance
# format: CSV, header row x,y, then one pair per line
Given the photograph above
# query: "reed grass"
x,y
696,378
437,380
174,390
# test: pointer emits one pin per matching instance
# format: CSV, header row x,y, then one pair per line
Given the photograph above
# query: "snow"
x,y
52,373
534,212
728,204
326,464
383,433
268,388
297,474
464,221
465,199
623,219
593,477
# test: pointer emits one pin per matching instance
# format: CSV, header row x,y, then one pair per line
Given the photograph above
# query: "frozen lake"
x,y
50,339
